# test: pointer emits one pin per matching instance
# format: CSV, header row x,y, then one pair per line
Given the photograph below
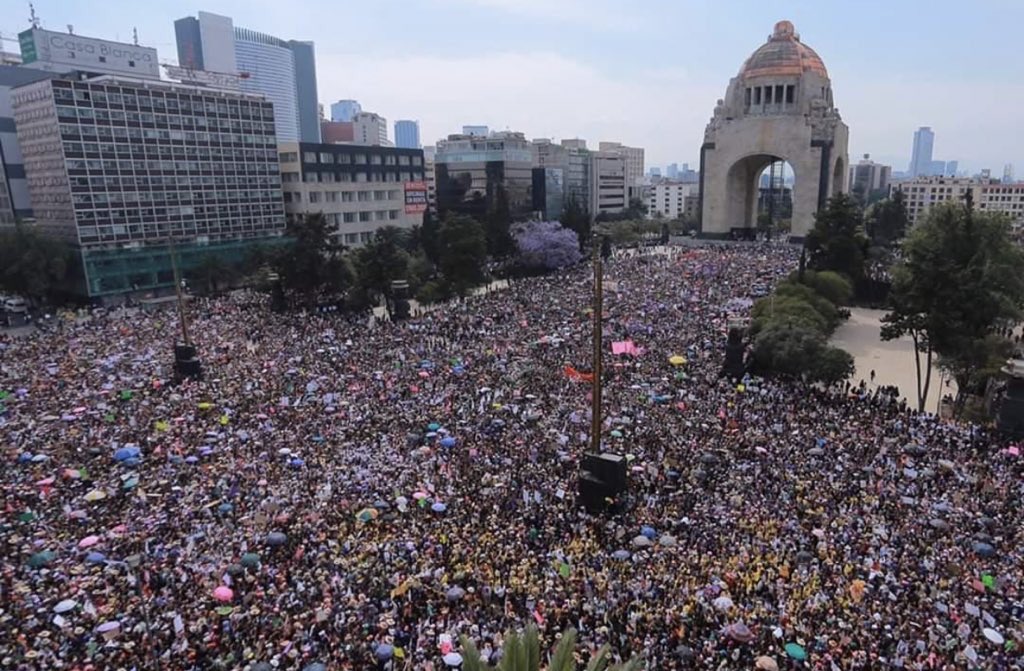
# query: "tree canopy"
x,y
311,266
960,278
463,252
32,264
837,241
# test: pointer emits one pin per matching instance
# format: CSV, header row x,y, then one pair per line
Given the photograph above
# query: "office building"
x,y
667,199
471,170
952,167
359,189
60,53
634,158
430,177
654,173
921,153
15,203
119,166
868,177
282,70
407,134
989,195
475,131
548,193
370,129
345,110
672,171
609,192
1008,173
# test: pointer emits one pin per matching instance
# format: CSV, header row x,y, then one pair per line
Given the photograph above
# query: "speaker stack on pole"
x,y
186,364
400,294
602,481
1011,410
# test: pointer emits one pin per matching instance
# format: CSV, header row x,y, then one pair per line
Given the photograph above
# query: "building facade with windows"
x,y
369,128
669,199
634,157
345,110
123,168
15,203
471,170
407,134
868,177
988,195
282,70
358,189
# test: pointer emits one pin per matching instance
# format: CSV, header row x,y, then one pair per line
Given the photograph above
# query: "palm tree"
x,y
522,653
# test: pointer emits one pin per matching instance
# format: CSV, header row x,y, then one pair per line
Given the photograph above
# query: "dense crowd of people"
x,y
338,495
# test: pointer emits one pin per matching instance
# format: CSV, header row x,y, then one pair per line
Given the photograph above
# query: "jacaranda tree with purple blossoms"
x,y
546,245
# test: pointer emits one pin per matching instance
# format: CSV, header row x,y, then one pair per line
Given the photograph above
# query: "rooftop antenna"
x,y
33,18
135,36
71,29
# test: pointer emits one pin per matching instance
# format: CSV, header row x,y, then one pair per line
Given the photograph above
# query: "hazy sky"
x,y
643,73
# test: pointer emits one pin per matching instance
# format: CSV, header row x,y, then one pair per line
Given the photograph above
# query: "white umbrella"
x,y
641,541
65,605
452,659
993,636
722,603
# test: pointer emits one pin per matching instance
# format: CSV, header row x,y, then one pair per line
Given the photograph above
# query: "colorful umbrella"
x,y
223,593
367,514
796,651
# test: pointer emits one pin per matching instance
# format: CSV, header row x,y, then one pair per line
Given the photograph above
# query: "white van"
x,y
15,305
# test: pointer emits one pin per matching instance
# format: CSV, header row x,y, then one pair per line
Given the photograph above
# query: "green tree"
x,y
312,265
380,262
960,278
576,218
886,221
837,241
33,265
430,236
463,251
833,286
795,350
521,652
212,273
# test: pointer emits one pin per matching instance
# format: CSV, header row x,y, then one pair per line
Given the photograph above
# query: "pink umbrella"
x,y
45,482
420,495
88,542
223,593
118,531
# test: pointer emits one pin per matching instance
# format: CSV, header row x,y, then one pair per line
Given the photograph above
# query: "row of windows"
x,y
88,117
72,148
338,218
104,200
348,159
133,182
770,95
360,177
151,136
164,101
342,196
124,165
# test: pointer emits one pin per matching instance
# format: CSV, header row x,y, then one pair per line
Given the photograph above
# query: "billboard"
x,y
415,197
63,52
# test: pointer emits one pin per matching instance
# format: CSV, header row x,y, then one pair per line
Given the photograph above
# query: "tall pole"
x,y
183,316
595,425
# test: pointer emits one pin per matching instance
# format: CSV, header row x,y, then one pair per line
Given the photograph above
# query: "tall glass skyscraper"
x,y
345,110
283,71
407,134
921,155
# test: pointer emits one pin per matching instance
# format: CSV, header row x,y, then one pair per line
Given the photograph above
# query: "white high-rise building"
x,y
284,71
634,158
371,129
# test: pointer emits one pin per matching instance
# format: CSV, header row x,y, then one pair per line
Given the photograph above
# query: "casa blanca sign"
x,y
46,49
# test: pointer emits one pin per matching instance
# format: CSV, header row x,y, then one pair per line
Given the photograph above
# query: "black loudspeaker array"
x,y
186,365
602,477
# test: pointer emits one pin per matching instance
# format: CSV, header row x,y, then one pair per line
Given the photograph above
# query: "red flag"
x,y
574,374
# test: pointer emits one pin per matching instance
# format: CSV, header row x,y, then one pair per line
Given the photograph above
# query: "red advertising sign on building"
x,y
415,197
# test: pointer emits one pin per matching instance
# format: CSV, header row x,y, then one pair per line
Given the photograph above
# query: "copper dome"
x,y
783,55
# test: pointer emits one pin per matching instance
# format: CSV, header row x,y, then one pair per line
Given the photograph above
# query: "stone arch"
x,y
742,187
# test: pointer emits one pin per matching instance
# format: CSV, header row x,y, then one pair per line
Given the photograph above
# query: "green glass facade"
x,y
148,268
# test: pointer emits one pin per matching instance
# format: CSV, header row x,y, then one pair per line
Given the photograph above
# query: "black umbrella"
x,y
984,550
276,538
804,556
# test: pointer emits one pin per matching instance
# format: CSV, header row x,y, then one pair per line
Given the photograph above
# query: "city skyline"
x,y
656,89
